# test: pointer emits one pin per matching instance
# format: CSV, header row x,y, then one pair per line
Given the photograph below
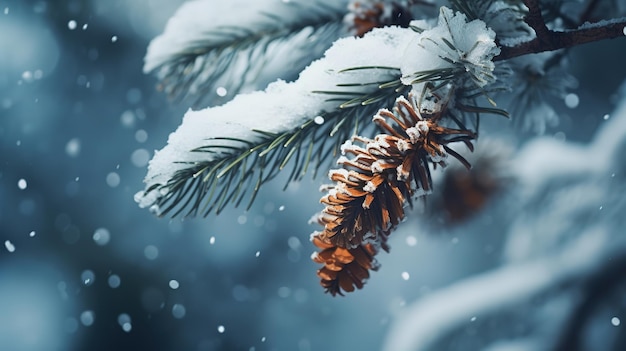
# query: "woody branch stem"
x,y
586,15
549,40
554,40
536,21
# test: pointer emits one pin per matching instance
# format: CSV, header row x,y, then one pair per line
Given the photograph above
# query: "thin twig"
x,y
535,20
549,40
562,40
596,287
554,40
586,15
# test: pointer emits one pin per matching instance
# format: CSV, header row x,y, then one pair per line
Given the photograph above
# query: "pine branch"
x,y
472,9
534,18
537,83
588,12
220,153
600,282
550,40
241,169
423,325
212,57
215,159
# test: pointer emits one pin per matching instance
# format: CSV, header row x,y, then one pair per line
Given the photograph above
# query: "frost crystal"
x,y
380,142
9,246
347,145
87,318
101,236
402,174
178,311
125,322
378,166
571,100
87,277
422,127
342,160
22,184
402,145
411,240
114,281
221,91
173,284
370,187
454,44
413,134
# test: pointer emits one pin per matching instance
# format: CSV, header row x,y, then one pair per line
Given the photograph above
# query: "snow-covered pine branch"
x,y
219,153
223,155
426,323
453,46
240,45
211,142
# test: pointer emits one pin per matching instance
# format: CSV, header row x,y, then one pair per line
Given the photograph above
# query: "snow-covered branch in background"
x,y
212,146
240,45
537,79
281,108
569,231
432,318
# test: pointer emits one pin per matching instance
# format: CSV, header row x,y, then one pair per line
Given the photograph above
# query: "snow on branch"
x,y
432,318
252,125
227,149
454,46
240,44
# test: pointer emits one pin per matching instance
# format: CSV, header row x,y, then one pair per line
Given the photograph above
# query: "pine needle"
x,y
210,186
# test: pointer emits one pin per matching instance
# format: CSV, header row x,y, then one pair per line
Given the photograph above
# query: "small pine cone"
x,y
367,15
464,194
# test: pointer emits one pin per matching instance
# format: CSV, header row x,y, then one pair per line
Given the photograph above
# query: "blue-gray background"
x,y
83,268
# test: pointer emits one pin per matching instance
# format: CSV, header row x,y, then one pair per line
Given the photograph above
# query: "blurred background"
x,y
82,267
